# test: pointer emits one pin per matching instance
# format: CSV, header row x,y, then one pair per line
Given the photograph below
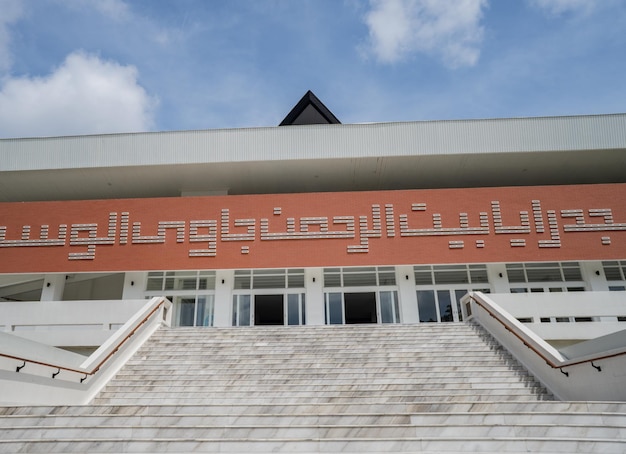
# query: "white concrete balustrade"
x,y
35,373
590,370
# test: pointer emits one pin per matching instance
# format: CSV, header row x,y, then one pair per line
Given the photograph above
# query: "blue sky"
x,y
104,66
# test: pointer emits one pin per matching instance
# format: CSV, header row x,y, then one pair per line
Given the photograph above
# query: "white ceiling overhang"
x,y
465,153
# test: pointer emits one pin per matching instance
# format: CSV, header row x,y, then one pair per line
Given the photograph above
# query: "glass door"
x,y
362,307
441,305
193,310
268,309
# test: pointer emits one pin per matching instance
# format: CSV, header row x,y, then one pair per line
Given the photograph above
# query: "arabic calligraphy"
x,y
416,220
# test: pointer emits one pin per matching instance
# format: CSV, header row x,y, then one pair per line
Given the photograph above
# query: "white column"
x,y
224,283
134,285
53,287
593,275
405,279
498,279
314,299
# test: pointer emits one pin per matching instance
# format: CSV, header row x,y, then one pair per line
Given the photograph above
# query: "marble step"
x,y
315,387
322,360
315,391
595,409
364,329
371,331
245,350
291,420
420,374
262,368
304,341
426,445
316,399
296,342
125,431
313,354
303,344
325,340
304,379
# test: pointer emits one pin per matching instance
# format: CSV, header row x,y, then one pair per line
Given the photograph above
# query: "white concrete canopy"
x,y
310,158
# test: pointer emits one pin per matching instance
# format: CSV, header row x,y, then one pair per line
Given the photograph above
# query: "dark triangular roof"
x,y
310,111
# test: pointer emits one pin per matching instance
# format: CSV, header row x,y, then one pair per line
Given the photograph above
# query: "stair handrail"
x,y
161,302
528,342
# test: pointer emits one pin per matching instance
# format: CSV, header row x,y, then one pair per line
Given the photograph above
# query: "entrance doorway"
x,y
360,307
269,310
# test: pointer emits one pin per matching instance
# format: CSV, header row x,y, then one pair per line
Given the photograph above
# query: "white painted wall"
x,y
67,323
603,307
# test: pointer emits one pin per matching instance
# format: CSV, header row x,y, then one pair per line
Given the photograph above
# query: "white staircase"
x,y
356,388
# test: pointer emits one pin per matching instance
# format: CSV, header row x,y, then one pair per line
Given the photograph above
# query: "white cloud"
x,y
399,28
558,7
85,95
115,9
10,11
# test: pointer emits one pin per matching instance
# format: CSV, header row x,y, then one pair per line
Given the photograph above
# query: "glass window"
x,y
206,280
180,280
450,274
243,279
426,306
155,281
571,272
332,279
479,275
445,305
361,279
295,309
261,282
544,273
269,279
295,278
614,270
423,277
360,276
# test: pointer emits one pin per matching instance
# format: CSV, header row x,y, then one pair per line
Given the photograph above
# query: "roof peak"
x,y
310,111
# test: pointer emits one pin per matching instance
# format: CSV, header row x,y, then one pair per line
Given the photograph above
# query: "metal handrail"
x,y
99,365
548,361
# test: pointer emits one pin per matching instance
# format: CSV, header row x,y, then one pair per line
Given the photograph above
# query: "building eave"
x,y
459,153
